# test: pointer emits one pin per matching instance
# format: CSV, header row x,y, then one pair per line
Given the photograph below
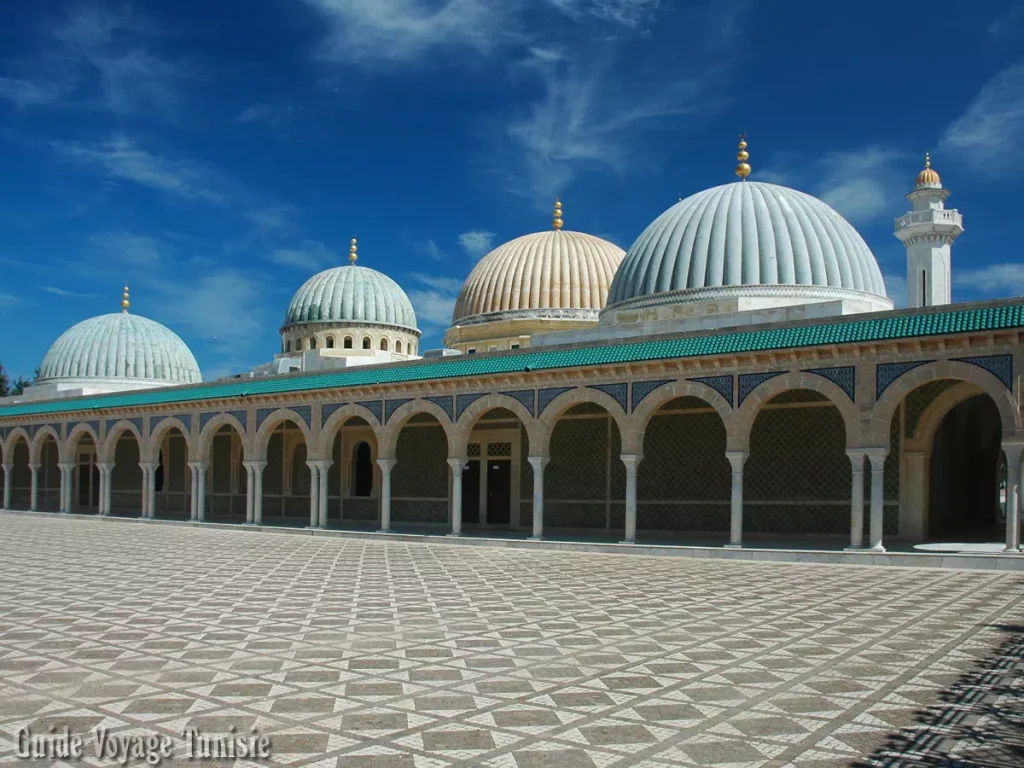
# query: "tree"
x,y
19,385
5,382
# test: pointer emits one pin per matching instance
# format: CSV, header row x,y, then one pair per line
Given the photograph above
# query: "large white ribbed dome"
x,y
748,239
351,294
554,274
121,346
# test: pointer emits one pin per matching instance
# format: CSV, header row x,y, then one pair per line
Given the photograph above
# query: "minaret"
x,y
928,230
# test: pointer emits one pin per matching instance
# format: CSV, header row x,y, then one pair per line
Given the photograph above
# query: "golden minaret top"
x,y
557,223
743,168
124,300
352,249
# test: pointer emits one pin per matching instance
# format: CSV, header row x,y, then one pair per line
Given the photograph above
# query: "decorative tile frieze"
x,y
723,385
205,418
887,373
446,403
376,407
95,426
528,397
327,410
243,418
139,425
642,389
306,413
462,402
844,377
390,406
32,429
618,392
1000,366
261,416
751,381
545,396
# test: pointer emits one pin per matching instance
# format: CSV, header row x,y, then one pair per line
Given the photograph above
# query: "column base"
x,y
879,549
628,541
535,538
730,545
454,535
383,530
854,549
1012,551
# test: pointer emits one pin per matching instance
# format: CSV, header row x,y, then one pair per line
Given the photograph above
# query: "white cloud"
x,y
64,293
433,308
993,121
127,249
311,256
994,280
863,184
476,243
446,284
99,56
896,289
433,251
399,31
629,13
8,300
222,307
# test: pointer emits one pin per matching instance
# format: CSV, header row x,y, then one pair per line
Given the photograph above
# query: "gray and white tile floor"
x,y
376,654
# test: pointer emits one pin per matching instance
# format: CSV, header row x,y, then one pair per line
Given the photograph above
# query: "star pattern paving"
x,y
361,653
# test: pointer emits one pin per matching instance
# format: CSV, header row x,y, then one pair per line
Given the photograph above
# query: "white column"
x,y
538,463
250,492
856,498
62,505
33,503
201,492
193,496
877,458
148,490
386,466
8,468
323,495
737,459
1013,466
314,493
257,467
106,472
144,495
457,466
632,462
914,496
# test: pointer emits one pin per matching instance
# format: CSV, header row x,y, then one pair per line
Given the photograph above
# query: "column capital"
x,y
737,459
105,466
322,464
7,467
877,457
1012,450
538,462
150,465
197,466
386,465
65,465
457,465
34,467
856,457
254,464
631,460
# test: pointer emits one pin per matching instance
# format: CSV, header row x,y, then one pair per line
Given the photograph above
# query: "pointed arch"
x,y
1006,403
114,434
739,438
464,426
73,438
262,437
389,434
205,442
651,404
156,436
16,434
35,449
549,418
337,419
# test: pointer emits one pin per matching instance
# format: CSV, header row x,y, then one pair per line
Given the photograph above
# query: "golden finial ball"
x,y
743,156
743,170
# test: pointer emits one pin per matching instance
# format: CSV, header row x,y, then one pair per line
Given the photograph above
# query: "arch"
x,y
16,434
388,437
885,407
383,343
36,447
464,426
75,436
362,470
651,404
367,343
205,443
288,346
337,419
262,436
329,342
398,346
347,343
739,438
631,443
156,435
114,434
312,342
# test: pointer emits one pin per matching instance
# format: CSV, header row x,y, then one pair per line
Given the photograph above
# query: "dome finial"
x,y
929,177
743,168
352,252
124,300
557,223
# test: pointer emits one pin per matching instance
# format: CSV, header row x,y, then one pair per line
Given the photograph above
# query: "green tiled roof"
x,y
886,328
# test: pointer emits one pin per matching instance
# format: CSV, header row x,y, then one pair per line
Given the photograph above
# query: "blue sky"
x,y
215,155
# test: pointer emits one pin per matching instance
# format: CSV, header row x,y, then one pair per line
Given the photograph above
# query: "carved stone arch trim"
x,y
157,432
36,447
114,433
337,420
1009,413
577,396
16,434
270,422
929,421
664,394
75,435
472,414
776,385
389,435
205,442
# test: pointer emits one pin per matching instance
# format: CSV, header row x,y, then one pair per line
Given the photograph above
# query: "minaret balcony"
x,y
940,216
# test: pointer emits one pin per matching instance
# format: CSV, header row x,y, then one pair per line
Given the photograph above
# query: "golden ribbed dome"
x,y
928,177
557,270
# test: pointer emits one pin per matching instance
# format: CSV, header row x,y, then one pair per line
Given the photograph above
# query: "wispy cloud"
x,y
994,280
629,13
99,56
310,257
864,184
435,302
127,249
66,294
8,300
991,122
1004,25
476,243
446,284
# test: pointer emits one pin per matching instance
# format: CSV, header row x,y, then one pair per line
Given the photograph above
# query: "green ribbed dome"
x,y
351,294
120,346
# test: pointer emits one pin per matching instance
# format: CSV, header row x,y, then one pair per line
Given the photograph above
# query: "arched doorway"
x,y
226,486
83,454
21,475
49,476
353,480
420,478
495,477
684,482
126,476
172,477
286,478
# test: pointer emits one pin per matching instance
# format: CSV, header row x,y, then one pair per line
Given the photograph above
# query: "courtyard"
x,y
385,654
